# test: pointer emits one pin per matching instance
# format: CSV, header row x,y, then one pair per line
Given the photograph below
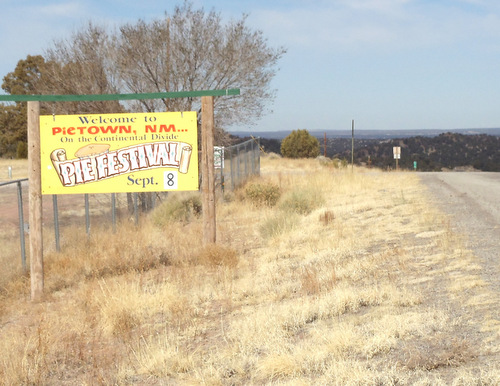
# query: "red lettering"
x,y
167,129
109,129
163,128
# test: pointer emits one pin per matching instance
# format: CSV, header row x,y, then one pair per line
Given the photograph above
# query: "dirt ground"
x,y
471,200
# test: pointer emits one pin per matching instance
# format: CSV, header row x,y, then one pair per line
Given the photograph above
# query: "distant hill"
x,y
445,151
368,134
432,150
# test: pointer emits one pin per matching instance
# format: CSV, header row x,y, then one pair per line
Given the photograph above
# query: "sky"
x,y
386,64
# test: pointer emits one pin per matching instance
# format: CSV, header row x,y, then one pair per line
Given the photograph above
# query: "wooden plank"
x,y
207,169
118,97
35,201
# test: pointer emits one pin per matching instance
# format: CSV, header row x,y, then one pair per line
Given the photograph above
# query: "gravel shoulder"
x,y
471,202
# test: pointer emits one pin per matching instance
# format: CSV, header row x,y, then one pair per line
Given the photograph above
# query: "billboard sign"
x,y
113,153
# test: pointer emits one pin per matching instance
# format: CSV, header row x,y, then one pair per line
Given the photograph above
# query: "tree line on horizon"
x,y
445,151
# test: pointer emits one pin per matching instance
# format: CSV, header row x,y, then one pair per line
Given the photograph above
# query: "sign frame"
x,y
119,153
34,172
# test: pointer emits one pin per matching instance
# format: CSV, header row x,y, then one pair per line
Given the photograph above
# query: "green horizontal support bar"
x,y
118,97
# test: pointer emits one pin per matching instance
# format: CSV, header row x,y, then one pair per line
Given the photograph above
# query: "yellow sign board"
x,y
114,153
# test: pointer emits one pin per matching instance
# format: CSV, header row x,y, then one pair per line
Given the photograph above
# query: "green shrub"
x,y
339,163
178,207
22,150
300,144
262,193
302,201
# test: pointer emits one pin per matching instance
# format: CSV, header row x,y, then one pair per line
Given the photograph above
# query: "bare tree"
x,y
191,49
186,51
195,50
81,64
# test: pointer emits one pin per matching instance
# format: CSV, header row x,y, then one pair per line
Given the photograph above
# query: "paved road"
x,y
473,201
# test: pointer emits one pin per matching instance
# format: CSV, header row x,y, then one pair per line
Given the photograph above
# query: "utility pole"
x,y
352,146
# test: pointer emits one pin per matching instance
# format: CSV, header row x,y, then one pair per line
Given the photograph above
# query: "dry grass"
x,y
9,220
19,169
364,284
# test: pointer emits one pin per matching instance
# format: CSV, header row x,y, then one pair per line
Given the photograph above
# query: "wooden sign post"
x,y
34,163
35,201
397,155
207,169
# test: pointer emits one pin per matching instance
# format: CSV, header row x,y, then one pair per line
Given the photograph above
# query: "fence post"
x,y
21,224
222,166
136,208
238,160
246,158
113,211
258,157
255,154
87,215
231,164
56,221
35,201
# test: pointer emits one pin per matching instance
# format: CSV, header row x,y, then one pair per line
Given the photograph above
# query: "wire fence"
x,y
62,214
12,192
233,166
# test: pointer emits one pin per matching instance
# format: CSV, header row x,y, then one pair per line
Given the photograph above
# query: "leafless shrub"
x,y
327,217
215,255
440,351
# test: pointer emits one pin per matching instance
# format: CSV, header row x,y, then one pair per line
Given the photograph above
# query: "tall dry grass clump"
x,y
320,275
261,193
179,207
215,255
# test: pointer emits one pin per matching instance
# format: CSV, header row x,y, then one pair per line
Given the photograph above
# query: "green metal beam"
x,y
118,97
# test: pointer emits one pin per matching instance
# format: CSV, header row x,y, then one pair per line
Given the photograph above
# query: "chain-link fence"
x,y
235,164
12,218
62,215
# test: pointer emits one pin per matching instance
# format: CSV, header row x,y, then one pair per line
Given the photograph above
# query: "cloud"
x,y
69,9
360,25
379,6
28,27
